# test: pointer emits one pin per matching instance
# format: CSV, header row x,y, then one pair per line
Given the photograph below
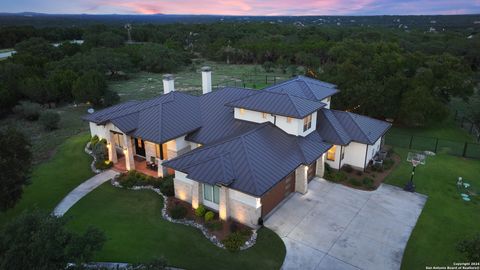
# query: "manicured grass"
x,y
54,179
446,218
145,85
136,232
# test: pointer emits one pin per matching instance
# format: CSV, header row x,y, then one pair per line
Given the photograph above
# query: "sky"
x,y
246,7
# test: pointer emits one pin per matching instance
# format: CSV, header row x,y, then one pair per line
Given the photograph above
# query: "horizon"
x,y
247,7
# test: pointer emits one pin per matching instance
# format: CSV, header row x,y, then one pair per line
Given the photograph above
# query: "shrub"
x,y
103,165
94,140
200,211
133,178
178,212
215,225
234,241
388,164
209,216
49,120
166,186
100,151
470,247
338,176
233,227
354,182
347,168
28,110
368,182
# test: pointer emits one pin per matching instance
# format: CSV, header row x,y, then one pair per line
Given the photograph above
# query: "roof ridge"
x,y
350,139
356,124
249,164
294,104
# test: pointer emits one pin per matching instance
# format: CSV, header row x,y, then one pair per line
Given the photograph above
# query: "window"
x,y
331,153
289,119
264,115
307,123
211,193
159,151
242,111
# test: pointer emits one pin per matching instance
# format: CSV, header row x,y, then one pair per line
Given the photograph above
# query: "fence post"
x,y
410,144
465,149
436,146
266,79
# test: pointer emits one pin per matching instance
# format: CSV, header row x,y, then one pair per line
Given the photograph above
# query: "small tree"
x,y
268,66
28,110
50,120
90,87
15,165
471,248
39,240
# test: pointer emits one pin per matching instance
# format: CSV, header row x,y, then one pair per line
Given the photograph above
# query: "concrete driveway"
x,y
336,227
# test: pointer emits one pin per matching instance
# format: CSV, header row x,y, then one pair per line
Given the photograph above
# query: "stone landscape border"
x,y
92,165
212,238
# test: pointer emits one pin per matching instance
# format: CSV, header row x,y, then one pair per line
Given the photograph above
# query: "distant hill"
x,y
427,22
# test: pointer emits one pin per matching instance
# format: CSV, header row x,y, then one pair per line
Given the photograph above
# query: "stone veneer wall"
x,y
244,213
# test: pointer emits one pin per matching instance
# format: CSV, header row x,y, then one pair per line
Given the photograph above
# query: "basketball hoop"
x,y
416,159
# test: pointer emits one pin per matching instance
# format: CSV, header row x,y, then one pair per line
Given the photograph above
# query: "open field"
x,y
136,232
54,179
145,85
446,218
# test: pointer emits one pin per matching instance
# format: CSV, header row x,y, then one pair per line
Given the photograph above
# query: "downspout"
x,y
340,158
274,119
365,162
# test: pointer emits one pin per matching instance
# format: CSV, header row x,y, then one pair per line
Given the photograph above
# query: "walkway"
x,y
337,227
83,189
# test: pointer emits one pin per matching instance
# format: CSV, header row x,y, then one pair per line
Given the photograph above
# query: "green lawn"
x,y
145,85
136,232
54,179
446,219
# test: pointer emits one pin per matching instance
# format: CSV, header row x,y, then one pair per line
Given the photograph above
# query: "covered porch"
x,y
140,166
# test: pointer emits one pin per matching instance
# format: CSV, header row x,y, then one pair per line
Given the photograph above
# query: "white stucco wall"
x,y
355,155
335,163
294,127
373,149
327,101
102,131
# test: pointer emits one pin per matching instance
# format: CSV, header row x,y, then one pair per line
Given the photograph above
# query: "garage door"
x,y
311,171
274,196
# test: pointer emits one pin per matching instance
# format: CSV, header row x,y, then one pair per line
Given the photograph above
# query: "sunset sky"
x,y
247,7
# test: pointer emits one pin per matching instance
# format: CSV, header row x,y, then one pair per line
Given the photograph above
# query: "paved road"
x,y
336,227
83,189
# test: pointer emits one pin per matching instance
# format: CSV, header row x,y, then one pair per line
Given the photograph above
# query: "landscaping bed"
x,y
370,179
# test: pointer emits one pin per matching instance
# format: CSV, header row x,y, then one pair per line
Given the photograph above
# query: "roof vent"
x,y
206,80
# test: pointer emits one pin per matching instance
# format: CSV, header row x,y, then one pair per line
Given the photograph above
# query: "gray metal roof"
x,y
339,127
278,103
158,120
252,162
304,87
218,122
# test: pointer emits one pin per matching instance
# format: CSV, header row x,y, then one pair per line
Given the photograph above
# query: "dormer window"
x,y
307,123
242,111
289,119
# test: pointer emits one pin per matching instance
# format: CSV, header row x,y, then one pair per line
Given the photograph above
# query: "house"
x,y
238,151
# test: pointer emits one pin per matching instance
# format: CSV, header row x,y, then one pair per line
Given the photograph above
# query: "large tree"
x,y
38,240
15,164
90,87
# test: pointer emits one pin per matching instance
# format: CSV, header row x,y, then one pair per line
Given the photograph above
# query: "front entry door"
x,y
140,147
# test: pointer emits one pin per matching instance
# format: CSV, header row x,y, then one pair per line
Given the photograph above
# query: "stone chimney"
x,y
206,80
168,83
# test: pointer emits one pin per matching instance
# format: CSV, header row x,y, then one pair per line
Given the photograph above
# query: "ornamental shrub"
x,y
28,110
200,211
103,165
354,182
178,212
209,216
100,151
234,241
94,140
49,120
166,186
368,182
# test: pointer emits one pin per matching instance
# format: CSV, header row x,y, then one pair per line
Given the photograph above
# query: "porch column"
x,y
162,170
196,194
129,161
223,205
320,170
301,182
112,152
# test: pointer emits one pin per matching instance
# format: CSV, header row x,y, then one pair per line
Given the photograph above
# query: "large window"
x,y
307,123
211,193
331,153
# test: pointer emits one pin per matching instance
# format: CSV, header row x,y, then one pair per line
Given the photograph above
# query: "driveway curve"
x,y
83,189
337,227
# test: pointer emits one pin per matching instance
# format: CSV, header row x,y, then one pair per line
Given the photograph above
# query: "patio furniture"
x,y
382,154
467,199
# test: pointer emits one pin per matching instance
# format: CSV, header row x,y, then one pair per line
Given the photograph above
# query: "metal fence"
x,y
436,145
251,81
467,124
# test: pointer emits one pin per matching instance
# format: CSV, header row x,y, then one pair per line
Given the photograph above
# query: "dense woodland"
x,y
382,72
